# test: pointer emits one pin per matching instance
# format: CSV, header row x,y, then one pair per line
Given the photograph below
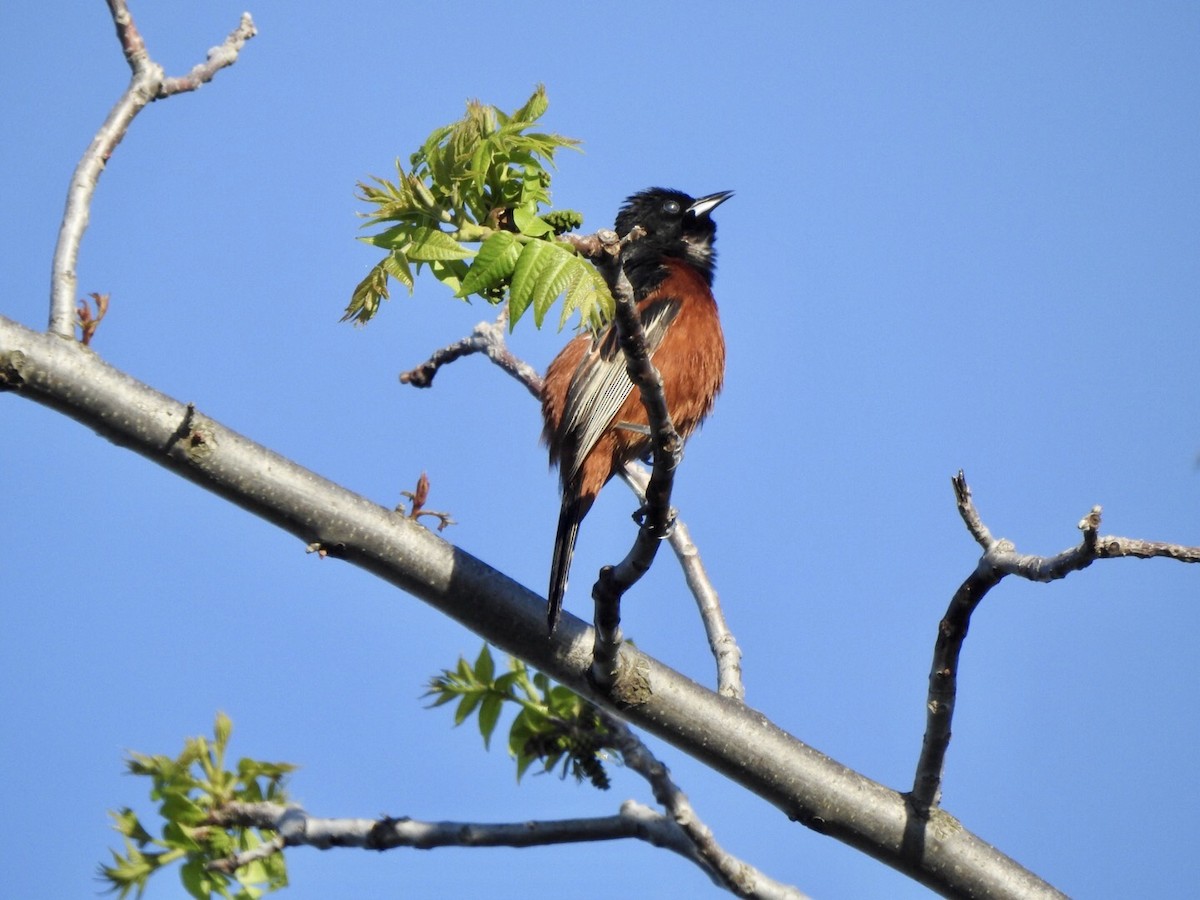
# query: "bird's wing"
x,y
601,384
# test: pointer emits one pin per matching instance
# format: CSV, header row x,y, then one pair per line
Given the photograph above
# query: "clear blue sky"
x,y
964,236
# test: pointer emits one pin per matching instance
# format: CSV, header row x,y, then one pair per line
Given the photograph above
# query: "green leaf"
x,y
466,706
552,283
369,293
534,108
563,702
539,277
529,223
198,881
396,265
222,729
489,714
449,272
481,163
189,787
395,238
441,696
431,244
464,671
125,822
587,292
462,175
493,265
485,667
180,808
518,741
504,684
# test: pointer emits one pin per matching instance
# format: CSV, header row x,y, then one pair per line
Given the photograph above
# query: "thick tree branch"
x,y
999,559
731,738
147,84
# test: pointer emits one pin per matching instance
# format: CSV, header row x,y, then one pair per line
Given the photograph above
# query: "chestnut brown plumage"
x,y
594,419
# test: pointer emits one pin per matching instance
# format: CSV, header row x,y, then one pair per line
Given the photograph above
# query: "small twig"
x,y
999,559
486,338
970,515
733,874
590,246
231,864
1111,547
219,57
725,649
148,84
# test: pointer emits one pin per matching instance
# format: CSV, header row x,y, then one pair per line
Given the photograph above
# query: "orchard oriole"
x,y
594,420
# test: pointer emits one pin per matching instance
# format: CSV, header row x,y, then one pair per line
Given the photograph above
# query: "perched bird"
x,y
594,420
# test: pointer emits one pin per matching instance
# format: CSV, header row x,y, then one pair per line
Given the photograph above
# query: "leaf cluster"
x,y
189,789
473,207
553,724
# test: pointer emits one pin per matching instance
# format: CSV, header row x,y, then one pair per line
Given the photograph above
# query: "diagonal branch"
x,y
728,871
729,737
147,84
1000,558
721,641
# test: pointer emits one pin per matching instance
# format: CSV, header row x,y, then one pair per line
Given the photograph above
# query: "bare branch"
x,y
486,338
1110,547
943,684
970,516
148,84
725,649
219,57
732,873
296,828
1000,558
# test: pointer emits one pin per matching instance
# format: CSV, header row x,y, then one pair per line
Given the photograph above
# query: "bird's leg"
x,y
639,517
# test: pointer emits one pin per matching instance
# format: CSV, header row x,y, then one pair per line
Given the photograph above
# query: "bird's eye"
x,y
671,208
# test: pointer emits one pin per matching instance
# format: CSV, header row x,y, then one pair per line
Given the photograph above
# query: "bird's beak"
x,y
706,205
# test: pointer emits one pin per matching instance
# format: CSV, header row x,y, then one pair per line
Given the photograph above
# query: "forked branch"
x,y
147,84
1000,558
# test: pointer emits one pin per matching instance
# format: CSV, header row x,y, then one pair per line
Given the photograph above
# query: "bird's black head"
x,y
676,225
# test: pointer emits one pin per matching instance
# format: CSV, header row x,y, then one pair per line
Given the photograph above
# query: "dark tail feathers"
x,y
572,513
